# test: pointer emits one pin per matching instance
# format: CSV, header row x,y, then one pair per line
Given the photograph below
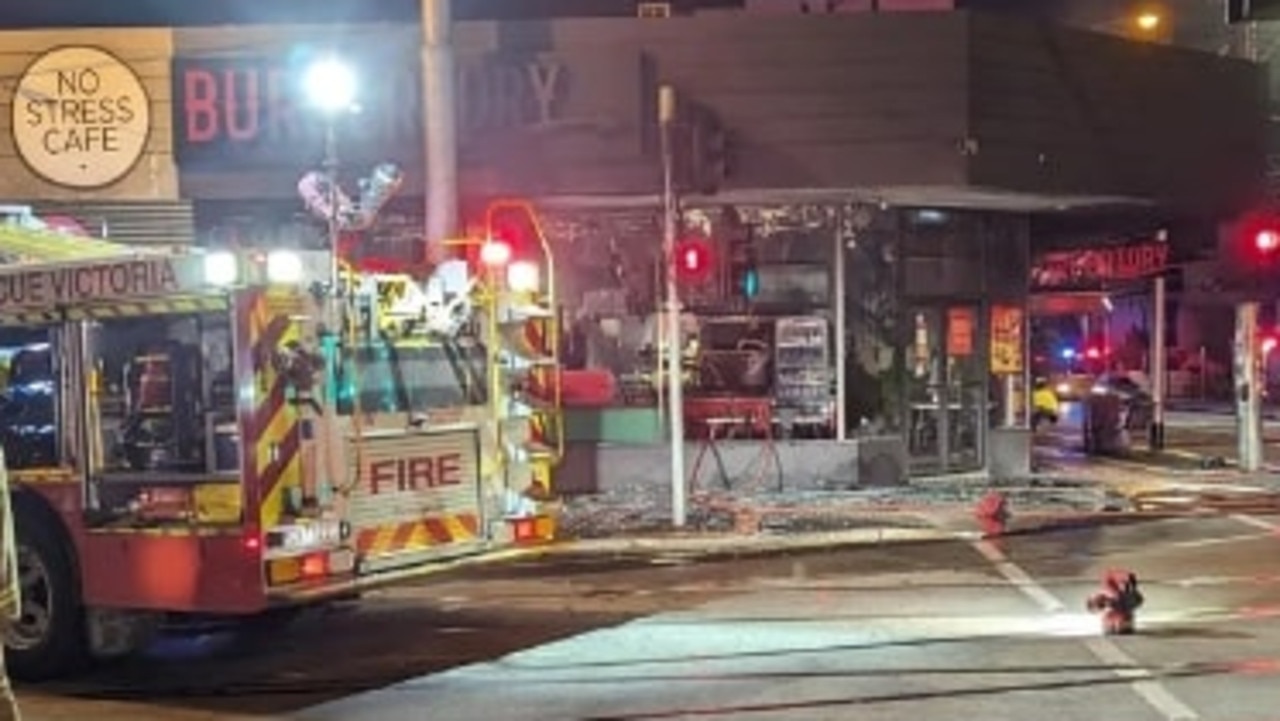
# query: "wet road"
x,y
961,629
1189,436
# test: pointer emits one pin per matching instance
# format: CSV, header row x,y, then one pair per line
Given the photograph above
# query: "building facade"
x,y
880,191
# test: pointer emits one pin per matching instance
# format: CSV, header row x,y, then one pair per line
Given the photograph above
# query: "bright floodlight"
x,y
221,268
1148,21
331,85
523,276
284,266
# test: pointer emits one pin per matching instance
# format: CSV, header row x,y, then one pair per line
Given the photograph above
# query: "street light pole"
x,y
1247,373
439,113
675,388
1159,372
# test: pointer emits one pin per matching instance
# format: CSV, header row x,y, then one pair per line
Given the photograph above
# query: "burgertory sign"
x,y
80,117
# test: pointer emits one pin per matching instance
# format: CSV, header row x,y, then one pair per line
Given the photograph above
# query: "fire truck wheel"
x,y
49,639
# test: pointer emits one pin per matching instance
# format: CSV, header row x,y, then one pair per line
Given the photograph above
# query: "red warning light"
x,y
1267,240
693,260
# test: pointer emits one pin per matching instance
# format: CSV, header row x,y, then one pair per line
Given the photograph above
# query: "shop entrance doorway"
x,y
946,389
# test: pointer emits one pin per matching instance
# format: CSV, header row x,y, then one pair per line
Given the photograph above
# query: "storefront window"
x,y
873,362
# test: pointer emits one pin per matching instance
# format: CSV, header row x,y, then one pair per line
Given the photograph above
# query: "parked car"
x,y
1118,404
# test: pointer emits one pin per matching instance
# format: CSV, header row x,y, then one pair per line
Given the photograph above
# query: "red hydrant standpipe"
x,y
1117,601
993,514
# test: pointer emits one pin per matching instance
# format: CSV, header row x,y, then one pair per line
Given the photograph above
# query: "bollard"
x,y
993,514
1117,601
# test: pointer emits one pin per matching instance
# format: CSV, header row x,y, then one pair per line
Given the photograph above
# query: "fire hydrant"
x,y
992,513
1117,601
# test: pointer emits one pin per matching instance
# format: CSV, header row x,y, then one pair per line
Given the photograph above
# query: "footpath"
x,y
923,510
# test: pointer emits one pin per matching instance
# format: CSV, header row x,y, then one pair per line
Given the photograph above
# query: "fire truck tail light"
x,y
523,277
221,268
284,571
251,541
315,565
284,266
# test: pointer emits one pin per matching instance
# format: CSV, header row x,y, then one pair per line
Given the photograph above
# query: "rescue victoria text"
x,y
87,283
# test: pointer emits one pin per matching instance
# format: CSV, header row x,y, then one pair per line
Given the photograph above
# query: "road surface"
x,y
958,629
1190,436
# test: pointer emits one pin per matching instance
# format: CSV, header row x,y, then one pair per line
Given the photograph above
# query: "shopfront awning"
x,y
1082,303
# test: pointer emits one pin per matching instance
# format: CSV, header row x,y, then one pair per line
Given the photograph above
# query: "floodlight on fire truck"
x,y
495,253
221,268
523,277
284,266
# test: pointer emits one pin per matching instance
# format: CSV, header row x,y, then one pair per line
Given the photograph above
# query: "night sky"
x,y
99,13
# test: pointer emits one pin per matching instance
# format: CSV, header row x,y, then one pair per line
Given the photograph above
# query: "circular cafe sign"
x,y
80,117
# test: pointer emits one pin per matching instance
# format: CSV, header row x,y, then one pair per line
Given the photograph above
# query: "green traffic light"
x,y
751,283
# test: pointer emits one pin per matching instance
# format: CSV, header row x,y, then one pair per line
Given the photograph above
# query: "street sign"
x,y
1241,11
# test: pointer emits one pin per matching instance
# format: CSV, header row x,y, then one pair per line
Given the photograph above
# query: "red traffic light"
x,y
1267,240
693,259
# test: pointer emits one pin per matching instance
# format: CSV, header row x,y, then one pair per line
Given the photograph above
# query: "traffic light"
x,y
693,260
744,272
1266,240
710,152
703,164
1241,11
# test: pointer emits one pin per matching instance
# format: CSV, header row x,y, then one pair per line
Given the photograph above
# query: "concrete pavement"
x,y
959,630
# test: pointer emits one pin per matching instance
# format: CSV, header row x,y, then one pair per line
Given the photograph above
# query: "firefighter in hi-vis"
x,y
10,598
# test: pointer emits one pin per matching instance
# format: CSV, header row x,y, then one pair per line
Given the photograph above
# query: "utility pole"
x,y
1248,393
675,388
1247,372
439,115
1159,374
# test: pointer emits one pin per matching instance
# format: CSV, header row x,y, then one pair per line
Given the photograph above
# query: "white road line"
x,y
1202,542
1143,683
1256,522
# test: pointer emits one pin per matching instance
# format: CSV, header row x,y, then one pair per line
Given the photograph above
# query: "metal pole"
x,y
1248,393
335,224
1159,375
439,113
842,343
1010,407
675,389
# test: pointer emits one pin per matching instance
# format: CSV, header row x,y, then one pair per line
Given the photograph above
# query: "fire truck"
x,y
217,433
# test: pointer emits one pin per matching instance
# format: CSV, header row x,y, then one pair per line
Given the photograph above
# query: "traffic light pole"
x,y
1247,362
675,388
1248,390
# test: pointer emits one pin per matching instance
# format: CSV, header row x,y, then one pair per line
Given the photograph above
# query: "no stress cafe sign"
x,y
80,117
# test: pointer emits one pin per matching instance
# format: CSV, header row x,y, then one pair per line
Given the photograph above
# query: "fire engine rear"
x,y
213,433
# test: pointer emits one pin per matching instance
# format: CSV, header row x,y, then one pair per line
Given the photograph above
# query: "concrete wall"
x,y
1057,110
745,468
811,102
